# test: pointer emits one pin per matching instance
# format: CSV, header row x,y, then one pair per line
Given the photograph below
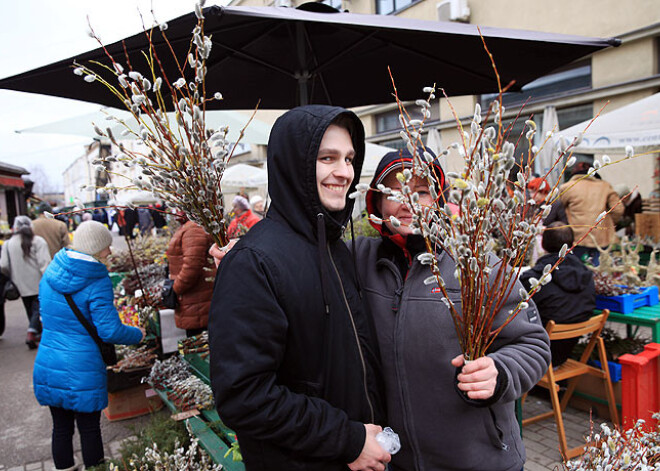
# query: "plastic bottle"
x,y
389,440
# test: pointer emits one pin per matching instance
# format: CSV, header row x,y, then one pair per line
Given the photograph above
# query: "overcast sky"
x,y
38,32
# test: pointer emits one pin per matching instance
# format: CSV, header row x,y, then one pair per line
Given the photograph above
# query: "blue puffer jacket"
x,y
69,371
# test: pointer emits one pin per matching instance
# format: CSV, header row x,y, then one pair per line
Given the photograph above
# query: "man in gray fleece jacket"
x,y
440,428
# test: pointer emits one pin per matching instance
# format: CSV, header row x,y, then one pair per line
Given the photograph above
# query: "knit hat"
x,y
255,199
396,161
539,184
240,203
91,237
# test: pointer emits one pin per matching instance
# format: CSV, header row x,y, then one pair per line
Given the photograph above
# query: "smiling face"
x,y
334,167
390,208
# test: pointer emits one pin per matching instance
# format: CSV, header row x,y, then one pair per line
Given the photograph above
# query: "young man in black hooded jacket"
x,y
293,358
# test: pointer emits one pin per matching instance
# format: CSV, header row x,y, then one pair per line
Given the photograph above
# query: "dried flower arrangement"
x,y
185,390
184,161
135,358
614,449
192,458
479,206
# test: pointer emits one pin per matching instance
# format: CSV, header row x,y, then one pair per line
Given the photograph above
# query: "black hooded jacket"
x,y
569,298
293,360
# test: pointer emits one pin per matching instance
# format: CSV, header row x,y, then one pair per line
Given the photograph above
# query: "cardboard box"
x,y
590,395
130,403
648,224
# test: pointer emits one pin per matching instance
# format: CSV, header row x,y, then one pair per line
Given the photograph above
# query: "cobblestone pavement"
x,y
540,440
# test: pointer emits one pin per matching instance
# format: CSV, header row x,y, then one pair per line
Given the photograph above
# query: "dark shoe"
x,y
31,340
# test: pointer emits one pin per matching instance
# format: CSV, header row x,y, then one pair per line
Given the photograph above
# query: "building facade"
x,y
599,83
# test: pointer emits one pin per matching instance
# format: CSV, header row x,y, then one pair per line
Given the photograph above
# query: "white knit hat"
x,y
91,237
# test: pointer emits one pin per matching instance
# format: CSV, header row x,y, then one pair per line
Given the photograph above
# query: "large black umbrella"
x,y
287,56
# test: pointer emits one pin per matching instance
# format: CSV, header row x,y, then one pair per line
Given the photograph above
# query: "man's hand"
x,y
373,457
218,253
144,333
477,378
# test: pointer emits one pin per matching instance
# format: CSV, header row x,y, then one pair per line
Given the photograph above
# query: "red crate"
x,y
640,397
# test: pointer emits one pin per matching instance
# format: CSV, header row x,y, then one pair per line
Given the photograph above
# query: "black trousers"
x,y
89,428
31,304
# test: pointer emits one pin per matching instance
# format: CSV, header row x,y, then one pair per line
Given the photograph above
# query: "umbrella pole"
x,y
303,96
303,75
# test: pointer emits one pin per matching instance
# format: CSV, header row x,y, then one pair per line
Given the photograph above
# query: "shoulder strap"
x,y
88,327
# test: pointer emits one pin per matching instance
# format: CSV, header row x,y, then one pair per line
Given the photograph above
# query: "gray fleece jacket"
x,y
439,429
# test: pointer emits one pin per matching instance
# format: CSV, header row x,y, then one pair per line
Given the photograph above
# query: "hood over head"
x,y
571,275
292,151
69,275
396,161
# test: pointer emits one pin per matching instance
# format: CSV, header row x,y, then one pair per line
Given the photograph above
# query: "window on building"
x,y
385,7
333,3
567,117
573,79
389,120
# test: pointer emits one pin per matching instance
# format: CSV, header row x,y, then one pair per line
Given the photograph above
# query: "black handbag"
x,y
168,295
9,290
107,349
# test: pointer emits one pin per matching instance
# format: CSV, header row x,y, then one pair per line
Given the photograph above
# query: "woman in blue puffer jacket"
x,y
69,372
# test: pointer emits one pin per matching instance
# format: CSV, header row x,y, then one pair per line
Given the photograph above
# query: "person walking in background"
x,y
570,296
192,272
145,221
24,260
257,203
157,216
126,221
243,220
585,198
54,232
3,280
539,190
69,373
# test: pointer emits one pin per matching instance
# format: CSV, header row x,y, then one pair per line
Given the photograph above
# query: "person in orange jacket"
x,y
193,284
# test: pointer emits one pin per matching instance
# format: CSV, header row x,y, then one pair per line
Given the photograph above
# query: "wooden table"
x,y
647,316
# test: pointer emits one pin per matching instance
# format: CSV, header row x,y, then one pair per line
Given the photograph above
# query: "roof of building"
x,y
5,167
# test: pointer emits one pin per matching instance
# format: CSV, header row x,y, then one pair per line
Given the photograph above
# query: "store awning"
x,y
636,124
15,182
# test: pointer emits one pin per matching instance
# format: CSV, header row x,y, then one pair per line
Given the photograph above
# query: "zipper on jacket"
x,y
357,338
396,300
